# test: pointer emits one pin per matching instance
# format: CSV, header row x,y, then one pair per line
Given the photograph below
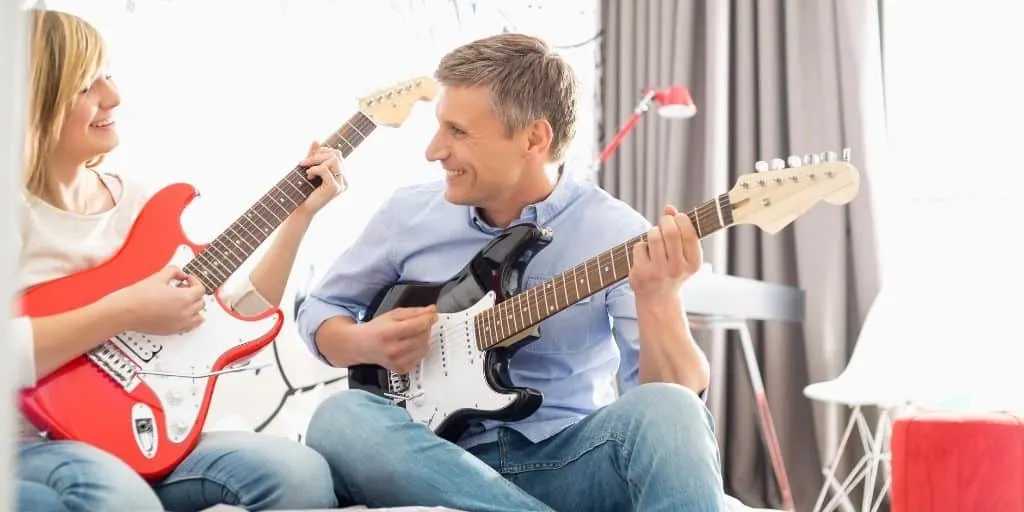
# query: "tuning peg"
x,y
761,166
829,156
795,161
846,154
778,164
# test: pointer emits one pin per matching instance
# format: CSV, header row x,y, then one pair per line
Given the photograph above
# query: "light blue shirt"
x,y
419,236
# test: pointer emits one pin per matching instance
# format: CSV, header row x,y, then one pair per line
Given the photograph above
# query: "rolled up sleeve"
x,y
242,296
353,280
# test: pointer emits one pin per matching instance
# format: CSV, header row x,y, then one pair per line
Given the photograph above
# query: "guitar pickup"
x,y
140,345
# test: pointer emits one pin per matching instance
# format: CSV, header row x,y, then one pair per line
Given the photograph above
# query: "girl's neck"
x,y
77,189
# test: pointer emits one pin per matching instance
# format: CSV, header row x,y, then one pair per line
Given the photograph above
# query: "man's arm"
x,y
328,318
655,342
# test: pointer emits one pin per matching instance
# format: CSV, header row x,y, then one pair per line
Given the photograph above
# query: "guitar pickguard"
x,y
454,369
176,368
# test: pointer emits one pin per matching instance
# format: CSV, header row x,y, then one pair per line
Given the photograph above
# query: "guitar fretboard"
x,y
521,312
226,253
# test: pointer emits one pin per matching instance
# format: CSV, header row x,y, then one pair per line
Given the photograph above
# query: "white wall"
x,y
229,102
13,73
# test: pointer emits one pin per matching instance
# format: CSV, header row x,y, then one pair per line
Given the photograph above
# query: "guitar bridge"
x,y
115,364
397,383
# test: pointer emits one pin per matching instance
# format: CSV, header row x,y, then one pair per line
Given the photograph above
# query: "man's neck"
x,y
531,192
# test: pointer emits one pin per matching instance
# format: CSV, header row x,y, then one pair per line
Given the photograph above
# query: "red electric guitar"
x,y
145,398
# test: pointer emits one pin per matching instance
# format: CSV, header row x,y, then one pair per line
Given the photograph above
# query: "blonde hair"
x,y
527,82
67,53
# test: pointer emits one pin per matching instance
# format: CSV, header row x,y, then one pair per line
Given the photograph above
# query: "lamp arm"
x,y
641,108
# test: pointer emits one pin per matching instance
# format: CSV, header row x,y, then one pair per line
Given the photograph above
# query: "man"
x,y
507,114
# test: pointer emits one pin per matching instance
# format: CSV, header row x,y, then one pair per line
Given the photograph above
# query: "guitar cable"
x,y
290,390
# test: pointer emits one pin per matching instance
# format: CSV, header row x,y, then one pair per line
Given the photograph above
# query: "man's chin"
x,y
456,197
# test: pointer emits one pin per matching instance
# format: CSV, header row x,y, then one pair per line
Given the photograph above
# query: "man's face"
x,y
483,164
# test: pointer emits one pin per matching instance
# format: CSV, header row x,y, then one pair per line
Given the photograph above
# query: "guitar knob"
x,y
778,164
174,397
794,161
829,156
761,166
180,427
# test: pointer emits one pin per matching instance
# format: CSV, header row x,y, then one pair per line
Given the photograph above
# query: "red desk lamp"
x,y
673,102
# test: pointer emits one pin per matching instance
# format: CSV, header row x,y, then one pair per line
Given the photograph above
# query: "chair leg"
x,y
865,471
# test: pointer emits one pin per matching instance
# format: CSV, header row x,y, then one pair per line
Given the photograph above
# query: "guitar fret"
x,y
212,264
576,283
343,139
202,274
269,211
246,234
511,317
564,294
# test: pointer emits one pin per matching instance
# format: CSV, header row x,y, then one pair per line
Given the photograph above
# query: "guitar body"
x,y
105,398
467,385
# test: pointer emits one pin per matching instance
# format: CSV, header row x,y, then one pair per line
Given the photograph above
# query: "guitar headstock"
x,y
776,194
392,105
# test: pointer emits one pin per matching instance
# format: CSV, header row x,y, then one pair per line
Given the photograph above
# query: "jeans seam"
x,y
533,466
233,492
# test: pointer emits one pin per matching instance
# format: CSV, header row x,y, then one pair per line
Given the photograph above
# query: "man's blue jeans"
x,y
654,449
254,471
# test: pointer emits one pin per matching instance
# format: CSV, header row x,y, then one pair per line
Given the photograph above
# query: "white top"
x,y
55,243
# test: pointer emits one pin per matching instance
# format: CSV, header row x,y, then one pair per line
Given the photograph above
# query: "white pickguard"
x,y
189,357
451,377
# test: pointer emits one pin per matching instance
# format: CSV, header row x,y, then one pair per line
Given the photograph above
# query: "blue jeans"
x,y
654,449
253,471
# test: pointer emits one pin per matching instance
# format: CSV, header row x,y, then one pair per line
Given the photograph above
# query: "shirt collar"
x,y
541,212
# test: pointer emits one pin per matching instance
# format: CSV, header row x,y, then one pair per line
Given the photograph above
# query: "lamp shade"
x,y
675,102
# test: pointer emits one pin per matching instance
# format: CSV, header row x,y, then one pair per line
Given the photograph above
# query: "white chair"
x,y
931,340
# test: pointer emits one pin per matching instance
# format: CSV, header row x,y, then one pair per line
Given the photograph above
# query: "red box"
x,y
958,462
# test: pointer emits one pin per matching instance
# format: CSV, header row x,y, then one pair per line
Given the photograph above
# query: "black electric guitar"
x,y
484,316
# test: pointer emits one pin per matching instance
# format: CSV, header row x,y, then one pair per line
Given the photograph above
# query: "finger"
x,y
196,308
673,244
656,247
670,210
172,272
692,250
313,147
327,177
407,313
194,322
195,289
414,327
321,155
641,256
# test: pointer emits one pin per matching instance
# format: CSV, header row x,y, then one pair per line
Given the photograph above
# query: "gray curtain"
x,y
770,78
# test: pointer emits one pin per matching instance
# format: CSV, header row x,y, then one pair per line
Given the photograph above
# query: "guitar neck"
x,y
525,310
226,253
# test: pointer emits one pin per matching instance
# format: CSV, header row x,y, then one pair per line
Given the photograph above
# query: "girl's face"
x,y
89,129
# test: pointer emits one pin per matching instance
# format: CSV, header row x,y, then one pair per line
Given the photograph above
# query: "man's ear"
x,y
538,138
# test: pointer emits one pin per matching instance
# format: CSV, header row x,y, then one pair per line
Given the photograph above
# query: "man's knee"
x,y
285,474
666,407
